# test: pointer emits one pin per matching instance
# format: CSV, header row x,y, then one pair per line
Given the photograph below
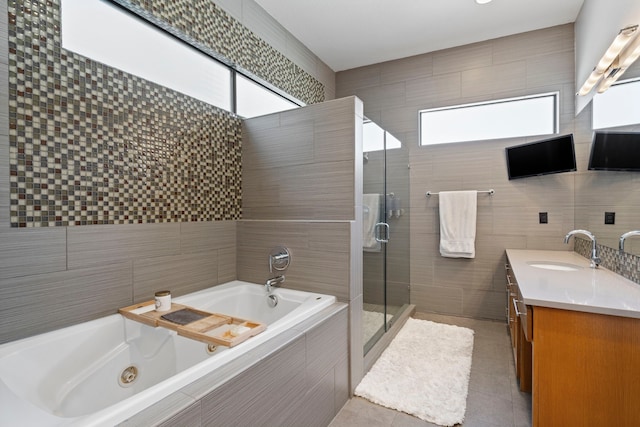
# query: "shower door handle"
x,y
378,235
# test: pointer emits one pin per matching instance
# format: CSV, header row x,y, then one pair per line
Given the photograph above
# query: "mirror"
x,y
598,193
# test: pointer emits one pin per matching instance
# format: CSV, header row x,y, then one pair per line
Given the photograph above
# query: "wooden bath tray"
x,y
212,328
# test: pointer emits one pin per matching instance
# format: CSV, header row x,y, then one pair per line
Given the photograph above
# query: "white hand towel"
x,y
370,217
458,211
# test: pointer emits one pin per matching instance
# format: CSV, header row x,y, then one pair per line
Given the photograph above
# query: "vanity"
x,y
575,333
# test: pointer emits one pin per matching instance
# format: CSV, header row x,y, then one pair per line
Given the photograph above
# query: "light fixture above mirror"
x,y
622,52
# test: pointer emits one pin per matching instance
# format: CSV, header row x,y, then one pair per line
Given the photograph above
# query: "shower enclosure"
x,y
385,232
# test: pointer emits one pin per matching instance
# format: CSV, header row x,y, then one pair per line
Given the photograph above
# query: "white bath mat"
x,y
424,372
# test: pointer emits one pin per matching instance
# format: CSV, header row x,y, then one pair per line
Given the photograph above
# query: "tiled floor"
x,y
494,399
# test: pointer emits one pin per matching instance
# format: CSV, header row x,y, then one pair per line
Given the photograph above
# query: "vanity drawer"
x,y
525,313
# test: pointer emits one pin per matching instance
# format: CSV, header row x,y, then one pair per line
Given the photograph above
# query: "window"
x,y
505,118
105,33
253,99
111,35
618,106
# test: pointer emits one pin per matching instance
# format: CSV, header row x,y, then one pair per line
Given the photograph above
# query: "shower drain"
x,y
128,376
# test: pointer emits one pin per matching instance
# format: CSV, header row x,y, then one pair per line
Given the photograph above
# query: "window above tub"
x,y
118,38
496,119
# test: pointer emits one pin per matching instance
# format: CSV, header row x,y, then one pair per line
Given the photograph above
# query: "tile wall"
x,y
393,92
625,264
112,187
302,183
529,63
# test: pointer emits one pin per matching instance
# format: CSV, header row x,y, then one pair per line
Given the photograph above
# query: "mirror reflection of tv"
x,y
554,155
615,151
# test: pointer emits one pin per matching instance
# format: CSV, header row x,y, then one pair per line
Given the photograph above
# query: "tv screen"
x,y
615,151
553,155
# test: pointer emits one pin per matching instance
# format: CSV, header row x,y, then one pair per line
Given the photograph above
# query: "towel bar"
x,y
490,192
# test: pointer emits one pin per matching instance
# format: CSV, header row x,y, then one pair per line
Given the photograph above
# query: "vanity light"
x,y
615,61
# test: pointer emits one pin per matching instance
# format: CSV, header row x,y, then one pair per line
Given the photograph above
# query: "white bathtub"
x,y
72,376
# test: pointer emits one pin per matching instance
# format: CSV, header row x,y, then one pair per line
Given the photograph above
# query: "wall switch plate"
x,y
544,217
609,217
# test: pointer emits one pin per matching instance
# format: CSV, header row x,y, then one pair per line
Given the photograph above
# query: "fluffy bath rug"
x,y
423,372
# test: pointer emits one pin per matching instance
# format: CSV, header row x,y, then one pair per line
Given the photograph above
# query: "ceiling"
x,y
347,34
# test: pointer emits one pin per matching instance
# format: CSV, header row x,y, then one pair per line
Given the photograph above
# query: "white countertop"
x,y
587,289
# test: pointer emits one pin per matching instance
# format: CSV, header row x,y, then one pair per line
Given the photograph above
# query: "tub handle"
x,y
279,259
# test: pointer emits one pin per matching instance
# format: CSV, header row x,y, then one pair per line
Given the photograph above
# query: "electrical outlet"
x,y
544,217
609,217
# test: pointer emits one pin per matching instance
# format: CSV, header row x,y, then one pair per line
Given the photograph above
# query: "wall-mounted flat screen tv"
x,y
545,157
615,151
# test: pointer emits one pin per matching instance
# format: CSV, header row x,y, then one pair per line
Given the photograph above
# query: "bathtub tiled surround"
x,y
90,144
320,256
75,274
302,379
302,184
72,274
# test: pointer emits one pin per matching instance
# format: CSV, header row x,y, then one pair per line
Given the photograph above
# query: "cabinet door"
x,y
586,369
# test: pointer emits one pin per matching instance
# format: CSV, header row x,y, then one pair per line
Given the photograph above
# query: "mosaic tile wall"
x,y
625,264
207,26
92,145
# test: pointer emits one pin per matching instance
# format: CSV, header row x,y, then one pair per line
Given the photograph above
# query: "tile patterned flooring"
x,y
494,399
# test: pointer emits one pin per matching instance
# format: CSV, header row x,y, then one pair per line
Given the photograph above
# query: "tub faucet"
x,y
275,281
595,260
625,235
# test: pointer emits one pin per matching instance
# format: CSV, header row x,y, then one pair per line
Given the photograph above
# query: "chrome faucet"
x,y
625,235
275,281
595,260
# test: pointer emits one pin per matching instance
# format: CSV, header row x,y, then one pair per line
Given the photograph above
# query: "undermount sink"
x,y
556,266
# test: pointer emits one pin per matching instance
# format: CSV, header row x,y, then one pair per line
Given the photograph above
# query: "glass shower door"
x,y
385,231
397,216
374,250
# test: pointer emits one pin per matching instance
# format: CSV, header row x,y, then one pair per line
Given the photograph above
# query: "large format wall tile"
x,y
34,251
301,164
529,63
320,254
100,245
34,304
180,274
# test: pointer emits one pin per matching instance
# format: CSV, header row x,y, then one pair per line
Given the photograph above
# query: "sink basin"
x,y
556,266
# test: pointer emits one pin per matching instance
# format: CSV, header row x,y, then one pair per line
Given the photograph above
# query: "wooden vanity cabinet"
x,y
519,318
586,369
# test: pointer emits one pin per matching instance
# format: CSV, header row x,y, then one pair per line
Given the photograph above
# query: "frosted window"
x,y
109,35
506,118
254,100
618,106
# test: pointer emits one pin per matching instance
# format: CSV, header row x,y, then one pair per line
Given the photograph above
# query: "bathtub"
x,y
104,371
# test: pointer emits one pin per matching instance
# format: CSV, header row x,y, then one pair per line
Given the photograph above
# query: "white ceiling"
x,y
347,34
